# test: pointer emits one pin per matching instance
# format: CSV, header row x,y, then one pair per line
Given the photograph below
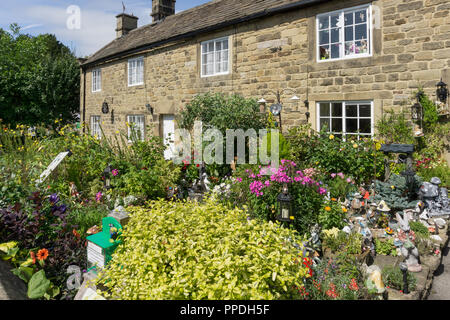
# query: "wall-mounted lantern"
x,y
442,91
150,108
105,107
276,108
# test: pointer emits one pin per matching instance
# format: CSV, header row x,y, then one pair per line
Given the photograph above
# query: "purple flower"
x,y
62,208
99,196
54,198
239,179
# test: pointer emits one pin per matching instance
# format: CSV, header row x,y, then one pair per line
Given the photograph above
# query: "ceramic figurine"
x,y
408,249
435,198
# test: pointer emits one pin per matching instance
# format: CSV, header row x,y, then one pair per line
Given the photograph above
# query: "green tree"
x,y
39,79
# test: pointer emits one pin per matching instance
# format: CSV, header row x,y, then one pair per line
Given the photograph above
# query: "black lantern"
x,y
285,205
105,107
149,108
107,175
442,91
404,269
417,111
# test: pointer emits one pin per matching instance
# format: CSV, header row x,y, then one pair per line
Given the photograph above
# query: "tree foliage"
x,y
39,79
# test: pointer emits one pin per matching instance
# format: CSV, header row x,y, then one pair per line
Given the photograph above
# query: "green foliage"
x,y
393,278
419,229
395,128
359,159
332,215
339,241
385,247
39,77
395,192
430,110
186,250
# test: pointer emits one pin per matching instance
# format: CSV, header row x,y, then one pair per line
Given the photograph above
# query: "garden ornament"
x,y
440,223
315,237
73,190
356,202
374,280
435,198
383,207
403,222
411,254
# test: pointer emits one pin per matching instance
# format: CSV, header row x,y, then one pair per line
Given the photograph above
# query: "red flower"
x,y
33,256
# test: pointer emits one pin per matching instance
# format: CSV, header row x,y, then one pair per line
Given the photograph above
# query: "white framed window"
x,y
136,71
346,119
96,131
344,34
136,127
215,57
96,80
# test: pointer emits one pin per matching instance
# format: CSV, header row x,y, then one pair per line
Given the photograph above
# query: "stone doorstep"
x,y
424,278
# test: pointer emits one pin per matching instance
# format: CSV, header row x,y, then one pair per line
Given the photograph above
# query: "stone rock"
x,y
374,280
436,238
440,222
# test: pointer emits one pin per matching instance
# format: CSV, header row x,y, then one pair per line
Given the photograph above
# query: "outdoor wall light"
x,y
149,108
442,91
105,107
276,108
285,205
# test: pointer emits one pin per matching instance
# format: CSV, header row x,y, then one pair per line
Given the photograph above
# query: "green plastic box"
x,y
100,247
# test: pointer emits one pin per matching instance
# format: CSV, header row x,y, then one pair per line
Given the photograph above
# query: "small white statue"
x,y
408,249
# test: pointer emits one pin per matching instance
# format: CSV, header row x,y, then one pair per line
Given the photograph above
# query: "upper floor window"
x,y
215,57
346,119
136,71
136,128
96,131
344,34
96,80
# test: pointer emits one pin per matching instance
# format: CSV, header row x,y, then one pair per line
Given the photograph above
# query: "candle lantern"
x,y
442,91
107,175
285,205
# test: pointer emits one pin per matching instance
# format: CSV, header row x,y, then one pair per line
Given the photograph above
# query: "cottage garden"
x,y
352,223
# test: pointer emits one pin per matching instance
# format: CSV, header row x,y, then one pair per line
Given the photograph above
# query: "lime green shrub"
x,y
184,250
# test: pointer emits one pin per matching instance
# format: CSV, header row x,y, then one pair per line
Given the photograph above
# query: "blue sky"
x,y
97,23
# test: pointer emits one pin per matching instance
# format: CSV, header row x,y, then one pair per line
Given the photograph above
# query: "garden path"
x,y
440,289
11,287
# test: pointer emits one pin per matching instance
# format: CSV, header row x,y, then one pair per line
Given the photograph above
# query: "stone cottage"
x,y
347,61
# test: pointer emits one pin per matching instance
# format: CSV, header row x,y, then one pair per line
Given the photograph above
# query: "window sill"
x,y
346,58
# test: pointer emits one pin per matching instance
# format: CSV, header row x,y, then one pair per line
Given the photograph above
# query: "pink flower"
x,y
239,179
333,175
115,173
99,196
349,180
340,174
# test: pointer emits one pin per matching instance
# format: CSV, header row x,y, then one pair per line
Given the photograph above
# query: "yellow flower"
x,y
327,209
331,137
344,209
392,187
117,132
378,146
355,146
292,218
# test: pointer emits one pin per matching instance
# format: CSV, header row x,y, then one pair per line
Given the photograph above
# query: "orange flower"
x,y
327,208
333,199
76,234
344,209
42,254
33,256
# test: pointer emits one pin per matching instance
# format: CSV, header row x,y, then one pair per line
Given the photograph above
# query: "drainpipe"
x,y
84,99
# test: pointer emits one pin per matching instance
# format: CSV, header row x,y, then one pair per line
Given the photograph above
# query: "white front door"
x,y
168,125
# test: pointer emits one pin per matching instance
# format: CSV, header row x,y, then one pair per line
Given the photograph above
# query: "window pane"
x,y
361,46
334,21
210,46
349,18
351,125
324,37
361,16
218,46
225,66
335,36
349,48
348,33
365,110
365,126
351,110
336,125
324,52
361,32
324,109
324,22
225,45
335,51
336,109
325,123
205,47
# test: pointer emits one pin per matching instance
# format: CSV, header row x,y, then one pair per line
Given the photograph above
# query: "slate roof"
x,y
213,15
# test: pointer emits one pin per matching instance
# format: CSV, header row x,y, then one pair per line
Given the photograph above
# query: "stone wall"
x,y
411,49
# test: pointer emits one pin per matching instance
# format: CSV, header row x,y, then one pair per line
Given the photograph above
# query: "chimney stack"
x,y
125,23
162,9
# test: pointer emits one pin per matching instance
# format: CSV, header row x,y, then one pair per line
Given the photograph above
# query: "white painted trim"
x,y
143,71
342,34
98,72
214,64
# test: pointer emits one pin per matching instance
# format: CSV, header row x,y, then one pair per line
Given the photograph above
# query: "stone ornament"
x,y
407,248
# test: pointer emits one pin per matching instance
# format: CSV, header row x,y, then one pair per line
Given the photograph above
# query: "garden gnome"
x,y
374,280
73,190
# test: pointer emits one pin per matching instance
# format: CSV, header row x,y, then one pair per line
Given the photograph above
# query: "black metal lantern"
x,y
107,175
285,205
404,269
417,111
442,91
149,108
105,107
